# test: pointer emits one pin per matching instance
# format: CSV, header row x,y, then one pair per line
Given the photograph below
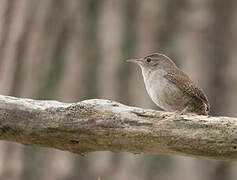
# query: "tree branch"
x,y
104,125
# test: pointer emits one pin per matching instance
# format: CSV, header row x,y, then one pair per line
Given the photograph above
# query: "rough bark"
x,y
104,125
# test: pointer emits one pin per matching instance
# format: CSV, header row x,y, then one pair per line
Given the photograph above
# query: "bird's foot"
x,y
149,115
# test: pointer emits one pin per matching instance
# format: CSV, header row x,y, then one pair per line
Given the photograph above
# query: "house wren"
x,y
169,87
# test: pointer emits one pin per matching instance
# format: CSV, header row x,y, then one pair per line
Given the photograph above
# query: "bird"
x,y
169,87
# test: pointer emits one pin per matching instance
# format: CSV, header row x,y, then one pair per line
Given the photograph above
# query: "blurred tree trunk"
x,y
109,27
200,48
197,17
147,26
12,34
229,72
148,22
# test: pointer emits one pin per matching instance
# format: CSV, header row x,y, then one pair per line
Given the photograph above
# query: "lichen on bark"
x,y
105,125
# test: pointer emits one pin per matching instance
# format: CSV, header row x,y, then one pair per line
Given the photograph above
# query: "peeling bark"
x,y
104,125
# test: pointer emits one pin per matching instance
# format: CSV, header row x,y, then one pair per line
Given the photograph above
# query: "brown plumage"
x,y
190,88
170,88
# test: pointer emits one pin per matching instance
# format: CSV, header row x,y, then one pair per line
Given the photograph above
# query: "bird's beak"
x,y
138,61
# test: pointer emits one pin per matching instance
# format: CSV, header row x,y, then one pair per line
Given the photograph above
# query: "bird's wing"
x,y
188,86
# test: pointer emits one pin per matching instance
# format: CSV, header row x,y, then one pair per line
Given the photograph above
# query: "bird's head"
x,y
153,61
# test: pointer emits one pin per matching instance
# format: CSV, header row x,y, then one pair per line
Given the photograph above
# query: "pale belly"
x,y
166,95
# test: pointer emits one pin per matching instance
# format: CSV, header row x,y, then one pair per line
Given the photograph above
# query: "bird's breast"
x,y
162,92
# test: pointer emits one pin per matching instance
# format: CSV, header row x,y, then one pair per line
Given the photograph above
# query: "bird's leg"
x,y
179,113
183,111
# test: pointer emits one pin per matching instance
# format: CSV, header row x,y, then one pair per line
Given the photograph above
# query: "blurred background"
x,y
72,50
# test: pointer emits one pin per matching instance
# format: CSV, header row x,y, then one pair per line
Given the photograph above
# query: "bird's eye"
x,y
148,59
